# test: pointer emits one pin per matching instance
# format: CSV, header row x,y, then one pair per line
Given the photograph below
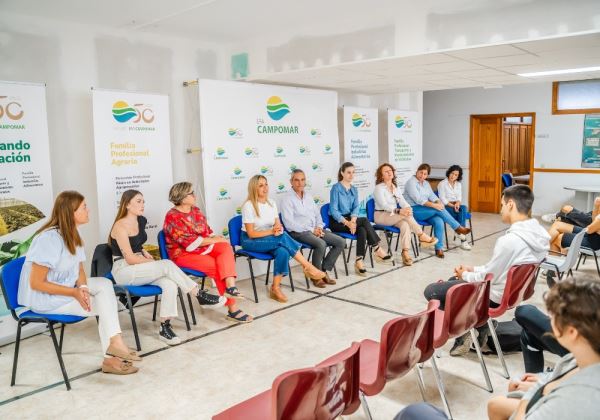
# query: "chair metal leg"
x,y
446,235
349,251
192,309
60,359
472,237
154,308
185,315
132,316
16,358
578,261
253,280
203,281
440,384
498,348
62,334
481,361
371,256
268,272
291,278
363,401
421,382
597,266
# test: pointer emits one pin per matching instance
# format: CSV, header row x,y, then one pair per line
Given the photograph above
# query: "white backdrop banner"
x,y
25,178
404,143
249,129
362,149
133,151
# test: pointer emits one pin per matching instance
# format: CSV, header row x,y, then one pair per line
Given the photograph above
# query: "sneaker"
x,y
462,345
549,218
465,245
206,299
167,334
483,333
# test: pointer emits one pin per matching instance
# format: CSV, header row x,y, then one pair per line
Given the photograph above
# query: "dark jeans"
x,y
320,245
439,290
535,338
421,411
575,217
460,215
364,232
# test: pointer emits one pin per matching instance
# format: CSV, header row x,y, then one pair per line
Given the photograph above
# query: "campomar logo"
x,y
315,132
251,152
122,113
223,194
279,152
316,167
293,167
318,200
235,132
276,108
266,170
10,112
328,182
304,150
225,232
238,210
361,120
237,173
402,122
327,150
220,154
280,188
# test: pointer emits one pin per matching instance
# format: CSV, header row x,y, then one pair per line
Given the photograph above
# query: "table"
x,y
521,179
591,191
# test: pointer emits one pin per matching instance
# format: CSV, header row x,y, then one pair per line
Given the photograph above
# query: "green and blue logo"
x,y
122,112
402,122
225,232
235,132
315,132
276,108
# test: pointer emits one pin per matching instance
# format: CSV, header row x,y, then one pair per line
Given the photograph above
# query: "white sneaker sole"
x,y
173,342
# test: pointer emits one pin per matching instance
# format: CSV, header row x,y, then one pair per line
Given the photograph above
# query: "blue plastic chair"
x,y
162,248
507,180
389,231
352,238
127,292
9,280
235,238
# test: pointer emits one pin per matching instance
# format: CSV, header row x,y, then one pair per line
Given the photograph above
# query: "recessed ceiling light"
x,y
554,72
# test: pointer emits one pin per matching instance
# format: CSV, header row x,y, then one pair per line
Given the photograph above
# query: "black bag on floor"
x,y
509,336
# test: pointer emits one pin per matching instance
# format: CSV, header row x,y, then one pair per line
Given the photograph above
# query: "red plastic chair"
x,y
324,392
405,342
466,308
520,286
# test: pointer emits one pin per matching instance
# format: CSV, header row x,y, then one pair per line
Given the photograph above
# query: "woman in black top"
x,y
133,265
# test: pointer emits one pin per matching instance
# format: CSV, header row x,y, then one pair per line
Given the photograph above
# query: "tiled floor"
x,y
221,363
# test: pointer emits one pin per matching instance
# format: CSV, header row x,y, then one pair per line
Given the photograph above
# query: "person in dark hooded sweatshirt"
x,y
526,241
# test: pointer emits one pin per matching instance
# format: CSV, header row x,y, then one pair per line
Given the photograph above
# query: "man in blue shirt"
x,y
302,219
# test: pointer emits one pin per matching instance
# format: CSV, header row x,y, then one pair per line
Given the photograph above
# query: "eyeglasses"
x,y
190,193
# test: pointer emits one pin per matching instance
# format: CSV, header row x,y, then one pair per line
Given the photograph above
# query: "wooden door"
x,y
485,162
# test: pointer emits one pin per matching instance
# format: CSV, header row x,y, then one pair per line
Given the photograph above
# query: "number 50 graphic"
x,y
12,110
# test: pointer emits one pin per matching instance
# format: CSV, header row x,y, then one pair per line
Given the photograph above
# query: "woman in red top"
x,y
192,244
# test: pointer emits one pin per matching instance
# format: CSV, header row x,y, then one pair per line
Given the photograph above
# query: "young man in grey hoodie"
x,y
526,241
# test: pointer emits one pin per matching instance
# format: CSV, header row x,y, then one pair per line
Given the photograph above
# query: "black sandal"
x,y
233,316
233,292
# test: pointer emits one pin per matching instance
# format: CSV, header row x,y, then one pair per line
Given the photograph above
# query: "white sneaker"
x,y
461,237
549,218
465,245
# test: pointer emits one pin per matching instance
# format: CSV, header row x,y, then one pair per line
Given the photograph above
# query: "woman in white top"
x,y
450,193
262,231
391,209
53,281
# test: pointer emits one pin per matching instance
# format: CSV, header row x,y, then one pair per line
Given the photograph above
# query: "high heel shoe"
x,y
360,271
316,275
275,293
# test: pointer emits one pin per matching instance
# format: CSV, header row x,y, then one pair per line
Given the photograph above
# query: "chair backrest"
x,y
520,285
101,261
371,210
162,246
9,279
325,215
323,393
573,252
405,341
466,307
507,179
235,231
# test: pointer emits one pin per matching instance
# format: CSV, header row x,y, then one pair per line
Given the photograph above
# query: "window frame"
x,y
556,111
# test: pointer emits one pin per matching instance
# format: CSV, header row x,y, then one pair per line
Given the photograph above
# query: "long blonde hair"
x,y
253,192
122,212
63,219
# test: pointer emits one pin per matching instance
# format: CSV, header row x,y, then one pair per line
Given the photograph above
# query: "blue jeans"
x,y
436,218
460,216
282,247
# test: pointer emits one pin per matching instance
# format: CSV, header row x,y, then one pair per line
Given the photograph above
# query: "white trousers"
x,y
163,273
103,304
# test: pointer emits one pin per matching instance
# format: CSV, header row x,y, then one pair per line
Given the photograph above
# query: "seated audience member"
x,y
571,215
262,232
53,281
192,244
134,266
391,209
562,234
572,389
427,207
524,242
343,217
450,192
536,337
302,219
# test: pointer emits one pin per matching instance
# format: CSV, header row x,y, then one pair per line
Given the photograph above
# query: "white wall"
x,y
558,141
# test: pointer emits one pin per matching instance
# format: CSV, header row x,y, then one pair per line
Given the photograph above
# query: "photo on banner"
x,y
133,151
249,129
405,145
590,155
361,147
25,178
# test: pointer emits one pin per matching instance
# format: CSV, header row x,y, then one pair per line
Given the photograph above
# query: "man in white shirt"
x,y
302,219
524,242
